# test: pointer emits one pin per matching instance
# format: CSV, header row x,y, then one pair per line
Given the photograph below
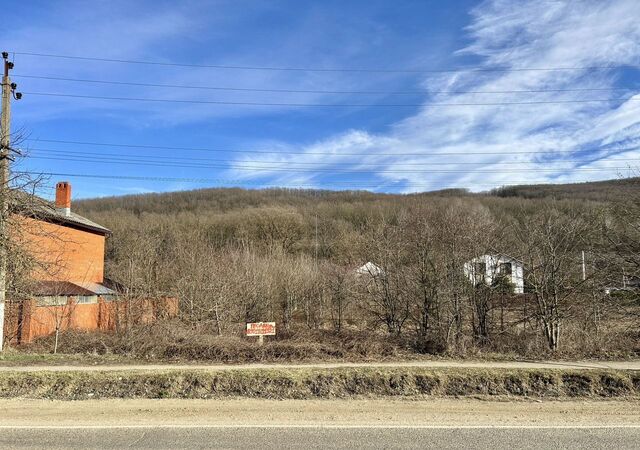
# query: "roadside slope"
x,y
314,382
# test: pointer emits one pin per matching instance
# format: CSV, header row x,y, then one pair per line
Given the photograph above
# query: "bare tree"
x,y
385,283
339,281
26,226
623,258
426,274
551,242
60,307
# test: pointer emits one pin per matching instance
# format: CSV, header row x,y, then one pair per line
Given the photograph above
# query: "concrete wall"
x,y
29,321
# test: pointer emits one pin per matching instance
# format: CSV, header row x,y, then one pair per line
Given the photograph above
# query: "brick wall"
x,y
31,321
69,254
66,254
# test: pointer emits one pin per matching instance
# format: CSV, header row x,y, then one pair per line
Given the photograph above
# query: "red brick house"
x,y
68,289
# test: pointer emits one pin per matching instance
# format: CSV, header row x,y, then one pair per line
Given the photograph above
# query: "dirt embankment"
x,y
314,383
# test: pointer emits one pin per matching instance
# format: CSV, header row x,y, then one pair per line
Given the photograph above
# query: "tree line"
x,y
234,256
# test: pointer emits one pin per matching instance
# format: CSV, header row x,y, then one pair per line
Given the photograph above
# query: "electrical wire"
x,y
314,69
179,159
313,91
249,182
287,152
242,167
331,105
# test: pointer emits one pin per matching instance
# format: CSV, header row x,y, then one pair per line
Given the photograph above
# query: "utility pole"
x,y
584,268
316,243
8,90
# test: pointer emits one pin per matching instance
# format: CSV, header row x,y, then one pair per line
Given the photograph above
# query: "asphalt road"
x,y
168,437
364,423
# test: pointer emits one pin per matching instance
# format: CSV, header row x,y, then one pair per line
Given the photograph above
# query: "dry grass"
x,y
174,341
323,383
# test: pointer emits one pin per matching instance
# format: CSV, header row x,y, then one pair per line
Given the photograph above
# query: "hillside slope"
x,y
227,199
608,190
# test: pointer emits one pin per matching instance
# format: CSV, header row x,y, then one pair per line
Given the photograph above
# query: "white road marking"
x,y
319,427
433,364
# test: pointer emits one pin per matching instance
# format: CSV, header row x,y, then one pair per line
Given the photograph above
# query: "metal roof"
x,y
69,289
498,255
96,288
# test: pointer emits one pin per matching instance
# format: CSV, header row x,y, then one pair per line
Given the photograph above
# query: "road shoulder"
x,y
309,413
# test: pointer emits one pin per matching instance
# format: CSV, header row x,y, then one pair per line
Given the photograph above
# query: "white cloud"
x,y
516,35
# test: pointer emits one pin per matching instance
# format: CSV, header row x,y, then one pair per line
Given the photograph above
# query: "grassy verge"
x,y
322,383
175,341
14,358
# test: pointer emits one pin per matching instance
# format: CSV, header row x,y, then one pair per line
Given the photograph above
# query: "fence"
x,y
26,320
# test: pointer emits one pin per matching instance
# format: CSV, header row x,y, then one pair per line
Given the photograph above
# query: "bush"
x,y
175,341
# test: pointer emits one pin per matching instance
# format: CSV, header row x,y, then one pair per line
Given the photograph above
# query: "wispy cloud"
x,y
396,149
514,35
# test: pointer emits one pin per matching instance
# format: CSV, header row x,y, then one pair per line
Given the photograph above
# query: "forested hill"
x,y
227,199
608,190
234,256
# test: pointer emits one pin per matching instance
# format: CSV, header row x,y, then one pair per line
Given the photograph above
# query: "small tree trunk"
x,y
218,327
502,313
552,333
55,344
556,336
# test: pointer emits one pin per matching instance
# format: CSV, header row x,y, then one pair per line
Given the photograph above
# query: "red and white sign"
x,y
261,329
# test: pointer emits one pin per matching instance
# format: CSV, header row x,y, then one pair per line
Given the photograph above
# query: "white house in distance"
x,y
370,269
486,268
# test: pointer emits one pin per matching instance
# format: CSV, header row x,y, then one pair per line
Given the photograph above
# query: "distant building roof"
x,y
370,269
496,256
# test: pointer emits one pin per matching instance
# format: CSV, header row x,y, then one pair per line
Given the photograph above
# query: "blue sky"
x,y
452,127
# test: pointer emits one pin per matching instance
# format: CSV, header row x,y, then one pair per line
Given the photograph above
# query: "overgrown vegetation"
x,y
322,383
178,342
234,256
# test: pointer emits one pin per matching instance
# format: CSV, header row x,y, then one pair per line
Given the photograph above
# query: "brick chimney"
x,y
63,197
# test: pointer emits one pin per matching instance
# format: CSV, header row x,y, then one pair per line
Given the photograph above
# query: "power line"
x,y
242,167
352,105
313,91
287,152
249,182
313,69
152,158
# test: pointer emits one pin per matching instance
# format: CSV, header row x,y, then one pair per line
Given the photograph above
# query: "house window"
x,y
86,299
52,300
506,269
479,271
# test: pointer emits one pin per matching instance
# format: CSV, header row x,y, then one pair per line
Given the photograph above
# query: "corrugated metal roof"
x,y
63,288
69,289
96,288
